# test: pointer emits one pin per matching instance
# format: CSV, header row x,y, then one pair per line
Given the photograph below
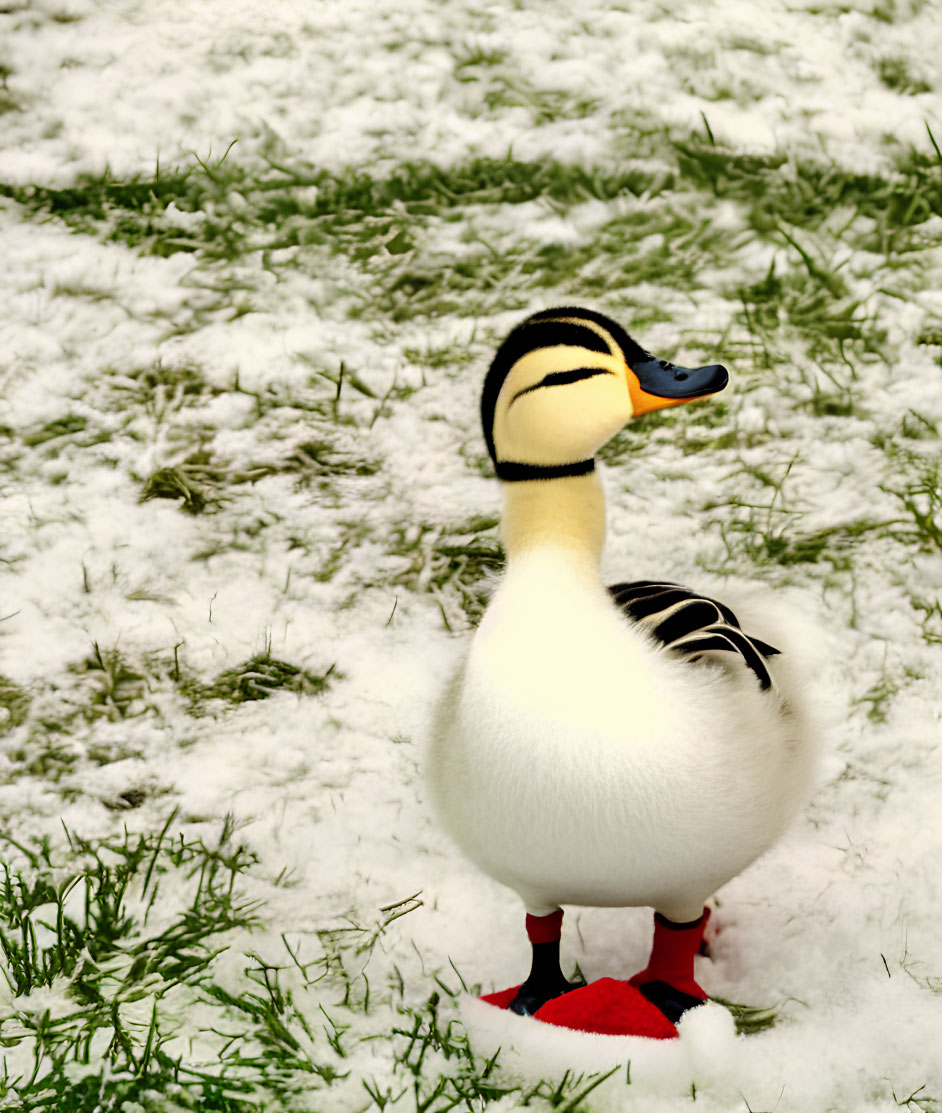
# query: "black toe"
x,y
672,1003
531,997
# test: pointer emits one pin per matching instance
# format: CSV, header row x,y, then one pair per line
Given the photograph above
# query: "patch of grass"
x,y
287,207
178,485
774,188
921,499
442,357
660,241
810,299
451,564
49,751
117,689
499,84
128,211
767,533
897,11
667,242
914,427
91,933
317,457
298,215
474,56
201,482
894,72
262,675
63,15
61,427
14,705
916,1099
879,697
931,621
160,388
63,434
931,337
780,544
7,101
691,428
750,1020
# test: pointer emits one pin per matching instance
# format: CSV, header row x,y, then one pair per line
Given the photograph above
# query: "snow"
x,y
839,924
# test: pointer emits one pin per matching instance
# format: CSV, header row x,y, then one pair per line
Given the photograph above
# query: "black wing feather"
x,y
691,624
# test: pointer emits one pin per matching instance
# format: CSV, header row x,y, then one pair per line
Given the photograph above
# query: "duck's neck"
x,y
566,514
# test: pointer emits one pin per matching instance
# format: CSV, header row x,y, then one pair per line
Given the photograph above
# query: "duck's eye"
x,y
561,378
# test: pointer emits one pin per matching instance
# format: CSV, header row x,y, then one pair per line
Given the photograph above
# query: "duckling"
x,y
617,747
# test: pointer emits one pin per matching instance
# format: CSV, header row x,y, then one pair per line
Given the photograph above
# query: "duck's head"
x,y
564,382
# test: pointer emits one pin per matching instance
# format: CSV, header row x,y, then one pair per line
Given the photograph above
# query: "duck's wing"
x,y
691,624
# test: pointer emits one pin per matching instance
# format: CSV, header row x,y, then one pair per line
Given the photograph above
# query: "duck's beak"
x,y
655,383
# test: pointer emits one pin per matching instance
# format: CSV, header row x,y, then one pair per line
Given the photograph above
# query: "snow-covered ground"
x,y
239,450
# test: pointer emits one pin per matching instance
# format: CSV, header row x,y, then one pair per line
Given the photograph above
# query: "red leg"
x,y
668,980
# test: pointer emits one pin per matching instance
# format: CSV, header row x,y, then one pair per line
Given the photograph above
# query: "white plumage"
x,y
579,762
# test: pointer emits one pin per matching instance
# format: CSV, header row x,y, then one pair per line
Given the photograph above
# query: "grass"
x,y
161,389
361,215
750,1020
91,927
117,689
53,732
807,194
14,705
895,73
116,936
172,403
178,485
765,537
202,483
765,527
262,675
920,496
453,564
812,300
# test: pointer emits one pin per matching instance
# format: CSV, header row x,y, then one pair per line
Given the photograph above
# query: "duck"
x,y
620,746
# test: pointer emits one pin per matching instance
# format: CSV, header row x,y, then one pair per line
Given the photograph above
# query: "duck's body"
x,y
581,762
605,747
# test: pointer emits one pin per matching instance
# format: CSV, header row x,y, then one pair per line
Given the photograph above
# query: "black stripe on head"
x,y
543,330
632,350
562,378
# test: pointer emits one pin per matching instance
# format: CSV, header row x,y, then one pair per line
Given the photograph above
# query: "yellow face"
x,y
559,405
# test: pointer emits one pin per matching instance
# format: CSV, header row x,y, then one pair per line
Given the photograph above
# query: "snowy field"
x,y
256,257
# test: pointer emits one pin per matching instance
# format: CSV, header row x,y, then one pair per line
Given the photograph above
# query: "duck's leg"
x,y
667,981
545,980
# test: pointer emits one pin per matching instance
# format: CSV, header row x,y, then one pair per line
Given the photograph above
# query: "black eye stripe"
x,y
561,378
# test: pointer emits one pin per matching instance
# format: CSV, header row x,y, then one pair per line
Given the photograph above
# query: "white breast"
x,y
578,762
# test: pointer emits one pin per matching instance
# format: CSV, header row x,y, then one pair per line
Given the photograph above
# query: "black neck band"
x,y
516,473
